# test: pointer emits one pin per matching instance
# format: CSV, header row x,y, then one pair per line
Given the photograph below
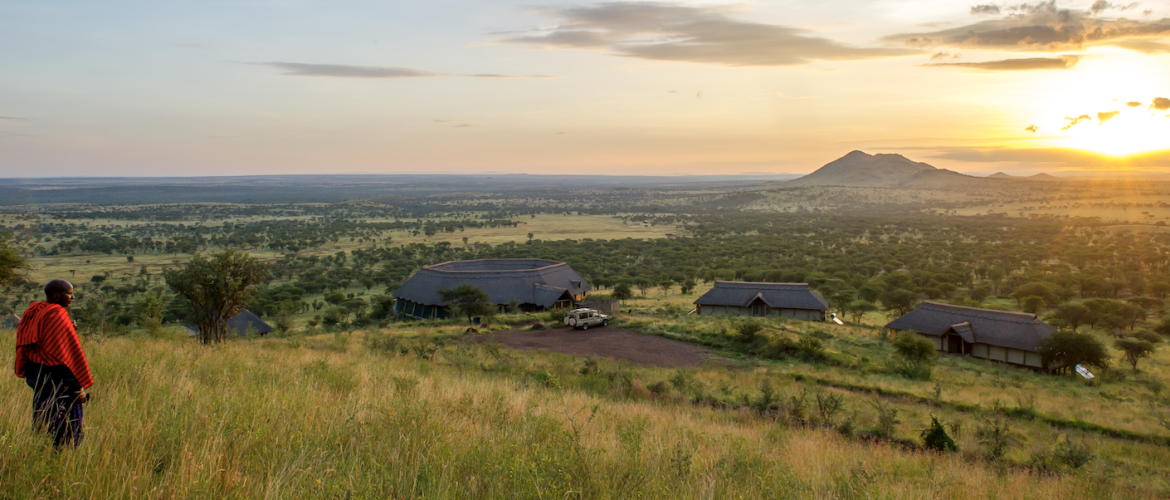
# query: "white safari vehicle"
x,y
585,318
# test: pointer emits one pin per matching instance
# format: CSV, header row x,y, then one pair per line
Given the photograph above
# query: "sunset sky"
x,y
444,86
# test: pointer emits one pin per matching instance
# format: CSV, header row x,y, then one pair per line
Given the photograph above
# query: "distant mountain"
x,y
1001,175
1043,177
882,170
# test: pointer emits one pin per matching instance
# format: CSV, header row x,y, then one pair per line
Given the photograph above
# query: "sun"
x,y
1131,132
1114,84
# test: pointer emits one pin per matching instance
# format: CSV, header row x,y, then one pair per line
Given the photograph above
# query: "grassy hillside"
x,y
348,415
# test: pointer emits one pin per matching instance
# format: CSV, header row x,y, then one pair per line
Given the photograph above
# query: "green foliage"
x,y
468,300
747,330
828,405
216,288
887,417
1064,349
900,301
1033,304
1070,315
1147,336
1134,350
995,435
936,438
622,292
916,353
12,263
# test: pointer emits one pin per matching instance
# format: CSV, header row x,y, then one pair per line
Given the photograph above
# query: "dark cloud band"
x,y
1046,27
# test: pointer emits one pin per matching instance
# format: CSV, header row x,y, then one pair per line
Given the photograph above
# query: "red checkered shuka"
x,y
46,336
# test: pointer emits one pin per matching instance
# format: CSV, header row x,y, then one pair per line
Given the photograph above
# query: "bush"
x,y
994,435
622,292
936,438
1065,349
887,418
748,330
917,355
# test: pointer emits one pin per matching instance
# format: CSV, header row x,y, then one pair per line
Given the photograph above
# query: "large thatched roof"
x,y
531,281
985,326
777,295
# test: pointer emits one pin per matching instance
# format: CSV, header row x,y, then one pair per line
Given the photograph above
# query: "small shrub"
x,y
547,379
590,367
810,348
1072,455
747,330
994,435
887,418
935,437
798,405
767,396
681,380
828,405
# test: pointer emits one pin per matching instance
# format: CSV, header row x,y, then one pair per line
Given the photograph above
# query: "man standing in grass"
x,y
50,360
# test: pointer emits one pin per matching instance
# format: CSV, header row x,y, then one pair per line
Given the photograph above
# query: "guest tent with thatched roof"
x,y
536,284
239,325
1005,336
745,298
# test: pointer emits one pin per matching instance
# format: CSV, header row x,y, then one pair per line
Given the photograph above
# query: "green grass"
x,y
337,416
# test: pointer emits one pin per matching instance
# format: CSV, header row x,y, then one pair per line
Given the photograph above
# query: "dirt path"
x,y
613,343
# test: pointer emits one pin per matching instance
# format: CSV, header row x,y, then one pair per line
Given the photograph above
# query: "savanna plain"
x,y
347,398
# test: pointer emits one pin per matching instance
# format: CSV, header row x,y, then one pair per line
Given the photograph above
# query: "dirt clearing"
x,y
613,343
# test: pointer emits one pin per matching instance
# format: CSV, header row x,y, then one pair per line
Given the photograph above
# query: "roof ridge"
x,y
1017,317
749,284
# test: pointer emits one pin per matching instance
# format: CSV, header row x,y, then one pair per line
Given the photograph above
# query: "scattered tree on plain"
x,y
217,288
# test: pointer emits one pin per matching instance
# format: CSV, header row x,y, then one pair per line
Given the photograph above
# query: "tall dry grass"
x,y
327,417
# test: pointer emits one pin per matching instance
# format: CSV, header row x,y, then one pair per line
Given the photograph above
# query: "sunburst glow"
x,y
1133,131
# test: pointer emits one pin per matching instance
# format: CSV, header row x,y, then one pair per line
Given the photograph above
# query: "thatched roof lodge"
x,y
744,298
239,325
1008,337
537,284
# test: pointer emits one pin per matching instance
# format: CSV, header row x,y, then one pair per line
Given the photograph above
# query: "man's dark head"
x,y
59,292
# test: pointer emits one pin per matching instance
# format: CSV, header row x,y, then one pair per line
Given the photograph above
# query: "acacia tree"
x,y
12,264
216,287
468,300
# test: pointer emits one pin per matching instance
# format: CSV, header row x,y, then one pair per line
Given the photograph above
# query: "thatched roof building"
x,y
537,284
744,298
239,325
1005,336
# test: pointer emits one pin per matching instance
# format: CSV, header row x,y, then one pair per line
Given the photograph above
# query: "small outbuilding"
x,y
535,284
1004,336
239,325
745,298
11,321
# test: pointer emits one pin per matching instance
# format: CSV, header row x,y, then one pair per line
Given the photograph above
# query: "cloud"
x,y
1101,6
1045,27
985,10
1032,63
1105,116
944,55
677,32
1073,121
1161,104
371,72
1133,104
12,118
344,71
1032,128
